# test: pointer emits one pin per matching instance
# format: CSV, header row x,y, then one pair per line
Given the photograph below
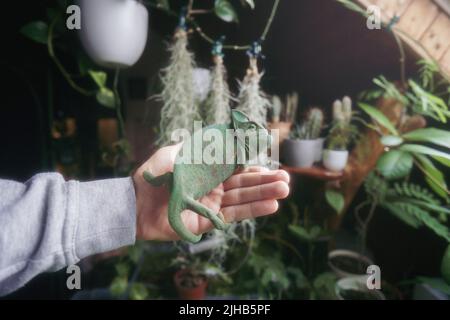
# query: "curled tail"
x,y
176,206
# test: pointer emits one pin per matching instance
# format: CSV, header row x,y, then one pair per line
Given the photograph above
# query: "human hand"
x,y
247,194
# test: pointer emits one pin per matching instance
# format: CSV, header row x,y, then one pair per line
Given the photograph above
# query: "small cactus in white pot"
x,y
342,133
302,147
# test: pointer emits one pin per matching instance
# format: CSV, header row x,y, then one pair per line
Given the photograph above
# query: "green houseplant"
x,y
427,149
302,147
342,133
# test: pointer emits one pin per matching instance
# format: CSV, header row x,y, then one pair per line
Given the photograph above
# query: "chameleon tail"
x,y
175,209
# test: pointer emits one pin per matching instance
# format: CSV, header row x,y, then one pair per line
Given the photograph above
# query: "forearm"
x,y
47,223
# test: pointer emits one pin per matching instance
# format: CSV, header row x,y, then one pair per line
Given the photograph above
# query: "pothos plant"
x,y
426,148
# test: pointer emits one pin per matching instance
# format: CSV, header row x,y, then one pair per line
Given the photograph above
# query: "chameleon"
x,y
190,181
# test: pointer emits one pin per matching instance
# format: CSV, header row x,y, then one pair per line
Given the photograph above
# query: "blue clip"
x,y
395,19
255,50
182,18
217,49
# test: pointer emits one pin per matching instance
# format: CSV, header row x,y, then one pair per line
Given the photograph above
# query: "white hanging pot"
x,y
114,32
335,160
299,153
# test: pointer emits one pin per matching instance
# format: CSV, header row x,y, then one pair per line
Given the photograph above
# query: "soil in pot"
x,y
350,264
353,294
190,285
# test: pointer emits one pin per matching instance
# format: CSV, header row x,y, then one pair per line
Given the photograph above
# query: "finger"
x,y
252,169
274,190
249,210
255,178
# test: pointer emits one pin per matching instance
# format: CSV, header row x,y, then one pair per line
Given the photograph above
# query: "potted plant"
x,y
347,263
355,288
192,277
342,133
114,32
301,149
282,115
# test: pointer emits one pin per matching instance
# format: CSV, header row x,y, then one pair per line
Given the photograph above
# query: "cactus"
x,y
311,128
277,106
315,123
347,108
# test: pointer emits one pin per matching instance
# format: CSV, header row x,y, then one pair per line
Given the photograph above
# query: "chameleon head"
x,y
254,132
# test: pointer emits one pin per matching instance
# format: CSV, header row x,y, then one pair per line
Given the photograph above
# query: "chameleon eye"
x,y
252,126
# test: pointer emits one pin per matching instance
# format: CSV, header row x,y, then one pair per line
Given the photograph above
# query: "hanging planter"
x,y
114,32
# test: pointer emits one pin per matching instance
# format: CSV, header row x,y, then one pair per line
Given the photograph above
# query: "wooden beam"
x,y
436,39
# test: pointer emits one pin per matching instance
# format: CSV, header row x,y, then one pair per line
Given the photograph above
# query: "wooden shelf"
x,y
316,172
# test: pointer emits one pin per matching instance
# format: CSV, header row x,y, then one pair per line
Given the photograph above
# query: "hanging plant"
x,y
217,104
252,101
179,108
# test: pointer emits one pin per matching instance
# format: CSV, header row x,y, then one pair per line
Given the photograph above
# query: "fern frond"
x,y
406,189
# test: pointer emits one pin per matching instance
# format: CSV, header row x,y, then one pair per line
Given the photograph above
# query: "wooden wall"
x,y
424,25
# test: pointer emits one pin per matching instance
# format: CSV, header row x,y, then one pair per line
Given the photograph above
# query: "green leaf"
x,y
106,98
437,180
444,161
118,286
250,3
134,252
429,100
391,141
395,164
122,269
300,233
432,135
379,117
335,200
398,209
445,265
416,148
353,7
225,11
138,291
436,283
164,4
36,31
99,77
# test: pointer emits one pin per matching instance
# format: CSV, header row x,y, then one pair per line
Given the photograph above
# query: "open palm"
x,y
247,194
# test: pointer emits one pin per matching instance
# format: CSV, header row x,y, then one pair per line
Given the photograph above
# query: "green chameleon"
x,y
190,181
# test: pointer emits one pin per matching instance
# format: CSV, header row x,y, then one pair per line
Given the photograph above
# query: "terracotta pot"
x,y
284,128
186,293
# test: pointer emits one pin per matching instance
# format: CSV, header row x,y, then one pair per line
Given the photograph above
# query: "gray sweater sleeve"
x,y
47,223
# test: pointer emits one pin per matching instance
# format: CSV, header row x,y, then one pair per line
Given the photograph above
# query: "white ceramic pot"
x,y
359,289
319,149
335,160
299,153
114,32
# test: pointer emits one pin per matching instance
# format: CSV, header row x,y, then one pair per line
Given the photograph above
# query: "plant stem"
x,y
206,37
269,22
402,59
66,75
118,104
